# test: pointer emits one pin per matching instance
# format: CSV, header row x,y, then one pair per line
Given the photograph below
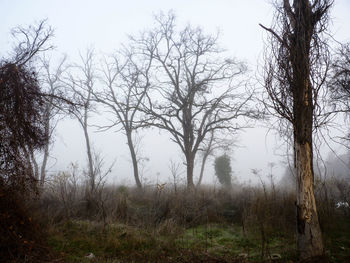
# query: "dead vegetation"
x,y
242,224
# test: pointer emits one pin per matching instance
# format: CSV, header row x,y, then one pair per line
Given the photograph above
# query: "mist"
x,y
191,125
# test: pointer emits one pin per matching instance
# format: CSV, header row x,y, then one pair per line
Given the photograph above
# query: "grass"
x,y
74,240
227,239
204,243
174,228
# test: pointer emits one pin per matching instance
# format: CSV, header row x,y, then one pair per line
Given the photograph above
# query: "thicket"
x,y
21,133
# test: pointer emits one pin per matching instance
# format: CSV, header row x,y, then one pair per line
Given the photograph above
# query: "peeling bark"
x,y
309,233
309,236
298,47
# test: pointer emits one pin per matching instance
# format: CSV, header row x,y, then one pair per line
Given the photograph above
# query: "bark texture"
x,y
295,73
309,234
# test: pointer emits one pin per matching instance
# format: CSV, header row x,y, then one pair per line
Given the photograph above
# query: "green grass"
x,y
203,243
223,240
76,239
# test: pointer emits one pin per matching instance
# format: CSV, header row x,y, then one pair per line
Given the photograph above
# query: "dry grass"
x,y
124,224
241,224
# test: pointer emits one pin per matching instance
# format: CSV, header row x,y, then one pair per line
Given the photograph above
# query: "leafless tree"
x,y
80,84
51,82
175,171
295,71
29,41
194,88
126,82
340,82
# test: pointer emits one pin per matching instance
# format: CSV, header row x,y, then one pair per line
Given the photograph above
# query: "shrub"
x,y
223,170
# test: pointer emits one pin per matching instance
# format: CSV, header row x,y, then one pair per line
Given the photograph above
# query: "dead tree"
x,y
194,87
295,71
126,82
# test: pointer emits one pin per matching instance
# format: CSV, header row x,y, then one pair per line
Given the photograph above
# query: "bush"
x,y
223,170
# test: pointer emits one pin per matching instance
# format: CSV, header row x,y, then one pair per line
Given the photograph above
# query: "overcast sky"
x,y
80,24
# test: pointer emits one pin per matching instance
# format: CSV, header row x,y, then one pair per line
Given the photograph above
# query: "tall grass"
x,y
242,223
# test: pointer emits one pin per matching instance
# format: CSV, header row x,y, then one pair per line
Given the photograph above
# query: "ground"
x,y
75,240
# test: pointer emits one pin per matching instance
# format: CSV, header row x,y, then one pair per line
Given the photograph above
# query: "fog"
x,y
104,25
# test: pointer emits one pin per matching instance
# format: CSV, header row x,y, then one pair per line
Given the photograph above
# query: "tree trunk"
x,y
46,150
204,160
309,236
297,51
190,167
90,160
134,159
207,152
31,163
43,165
35,164
309,240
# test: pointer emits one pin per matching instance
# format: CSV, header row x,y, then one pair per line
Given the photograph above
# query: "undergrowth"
x,y
249,224
75,240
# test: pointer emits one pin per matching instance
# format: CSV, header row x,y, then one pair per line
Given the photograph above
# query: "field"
x,y
246,224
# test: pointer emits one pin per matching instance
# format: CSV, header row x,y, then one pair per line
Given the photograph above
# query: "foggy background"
x,y
104,25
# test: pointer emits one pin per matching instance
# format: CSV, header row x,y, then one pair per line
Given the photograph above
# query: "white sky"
x,y
104,24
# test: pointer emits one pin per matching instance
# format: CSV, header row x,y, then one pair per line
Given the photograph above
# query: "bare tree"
x,y
29,41
194,87
80,84
51,81
126,82
295,71
175,171
340,81
341,75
